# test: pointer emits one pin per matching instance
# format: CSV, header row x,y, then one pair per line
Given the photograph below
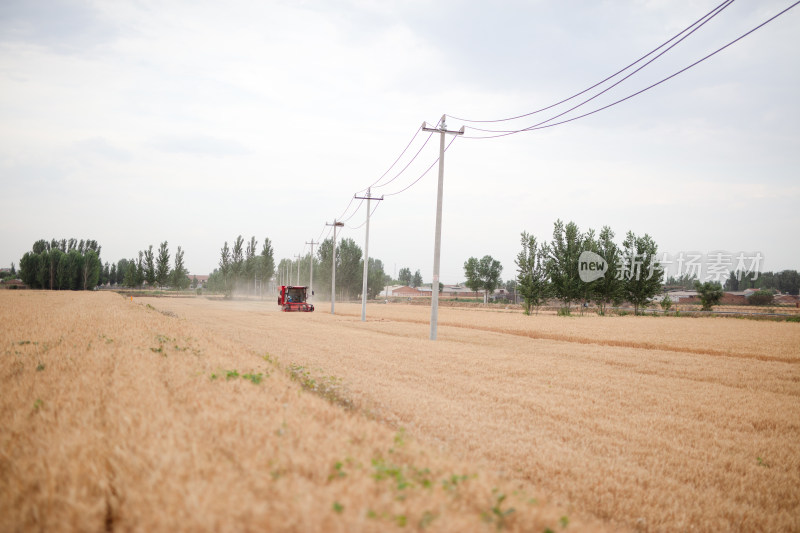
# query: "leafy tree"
x,y
417,280
788,281
562,263
761,298
47,266
405,277
732,283
473,279
122,269
710,293
375,277
483,274
610,288
532,282
266,265
250,260
224,271
112,274
237,259
105,276
666,303
684,281
149,267
180,277
642,272
586,288
130,274
162,265
350,269
13,269
90,270
140,270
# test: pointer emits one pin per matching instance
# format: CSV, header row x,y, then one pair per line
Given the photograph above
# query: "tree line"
x,y
349,270
617,272
66,264
153,269
243,268
70,264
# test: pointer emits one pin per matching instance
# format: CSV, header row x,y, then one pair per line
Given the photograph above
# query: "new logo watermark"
x,y
591,266
713,266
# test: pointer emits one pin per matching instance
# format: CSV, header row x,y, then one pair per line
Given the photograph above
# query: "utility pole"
x,y
333,264
437,247
368,197
298,268
311,279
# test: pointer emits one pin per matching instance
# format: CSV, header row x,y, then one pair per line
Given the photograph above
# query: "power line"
x,y
614,84
407,164
375,183
715,11
423,174
543,125
371,213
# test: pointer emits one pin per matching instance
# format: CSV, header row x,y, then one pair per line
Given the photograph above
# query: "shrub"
x,y
761,297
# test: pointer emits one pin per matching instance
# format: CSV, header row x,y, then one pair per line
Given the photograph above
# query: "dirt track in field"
x,y
650,423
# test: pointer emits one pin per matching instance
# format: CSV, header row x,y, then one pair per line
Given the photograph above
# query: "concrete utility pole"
x,y
298,269
333,264
437,247
368,197
311,278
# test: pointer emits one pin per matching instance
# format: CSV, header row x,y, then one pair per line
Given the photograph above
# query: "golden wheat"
x,y
117,414
642,422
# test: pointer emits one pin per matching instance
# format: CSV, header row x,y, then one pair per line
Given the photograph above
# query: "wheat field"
x,y
124,414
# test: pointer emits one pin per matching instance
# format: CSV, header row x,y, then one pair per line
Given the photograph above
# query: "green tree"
x,y
375,277
180,276
250,265
140,270
405,277
90,270
666,303
223,282
710,293
642,272
761,298
105,276
473,278
149,267
610,288
162,265
417,279
532,282
562,263
350,269
237,260
130,274
788,281
112,274
266,264
483,274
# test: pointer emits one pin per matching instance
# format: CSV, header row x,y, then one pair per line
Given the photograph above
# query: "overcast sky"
x,y
133,123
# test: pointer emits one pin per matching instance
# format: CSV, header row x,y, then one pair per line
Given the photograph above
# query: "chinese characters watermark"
x,y
714,266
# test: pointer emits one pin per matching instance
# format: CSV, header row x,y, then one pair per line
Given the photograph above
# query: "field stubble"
x,y
123,414
654,423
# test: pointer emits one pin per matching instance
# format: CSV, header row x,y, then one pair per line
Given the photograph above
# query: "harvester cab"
x,y
294,299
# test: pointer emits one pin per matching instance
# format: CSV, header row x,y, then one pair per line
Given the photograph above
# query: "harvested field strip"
x,y
472,319
640,438
119,415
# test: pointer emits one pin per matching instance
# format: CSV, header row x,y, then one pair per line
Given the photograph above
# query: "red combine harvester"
x,y
294,299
